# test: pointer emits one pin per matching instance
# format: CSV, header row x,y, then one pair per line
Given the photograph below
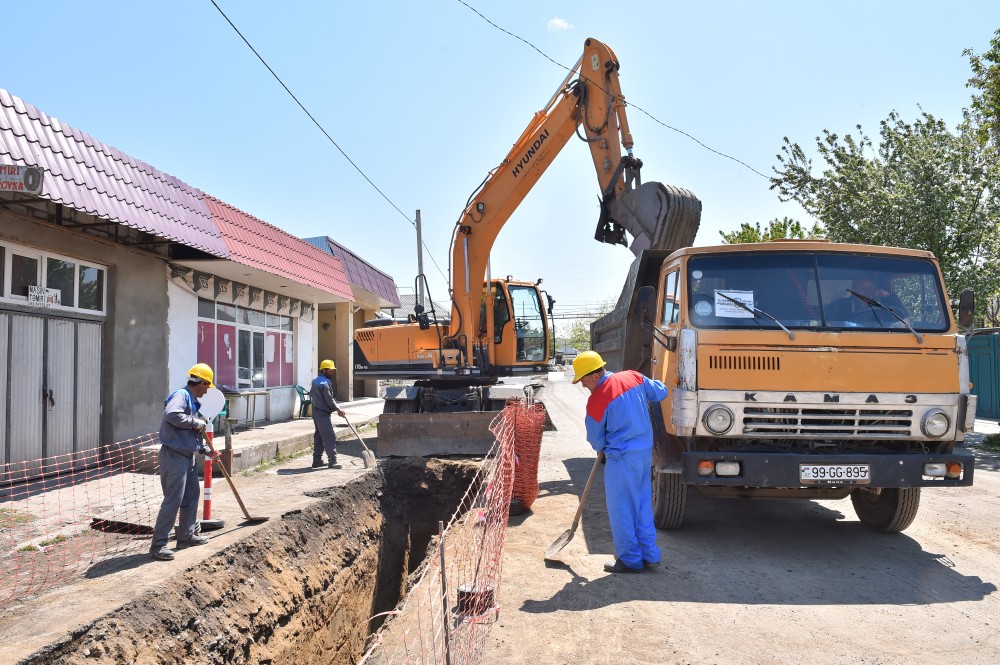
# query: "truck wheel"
x,y
669,500
889,510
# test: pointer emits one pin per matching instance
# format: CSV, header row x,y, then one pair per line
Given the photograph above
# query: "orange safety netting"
x,y
61,515
447,614
529,421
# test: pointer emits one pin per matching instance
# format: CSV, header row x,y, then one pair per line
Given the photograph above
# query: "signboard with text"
x,y
22,179
39,296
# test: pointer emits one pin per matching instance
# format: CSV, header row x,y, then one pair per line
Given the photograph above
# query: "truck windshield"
x,y
816,290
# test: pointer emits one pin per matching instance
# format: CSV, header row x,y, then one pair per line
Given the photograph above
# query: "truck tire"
x,y
889,510
669,500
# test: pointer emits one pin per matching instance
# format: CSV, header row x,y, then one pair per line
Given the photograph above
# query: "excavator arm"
x,y
592,106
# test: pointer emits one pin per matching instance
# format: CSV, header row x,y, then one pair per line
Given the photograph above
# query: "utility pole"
x,y
420,262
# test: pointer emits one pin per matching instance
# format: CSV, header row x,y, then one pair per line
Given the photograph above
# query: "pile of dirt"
x,y
301,589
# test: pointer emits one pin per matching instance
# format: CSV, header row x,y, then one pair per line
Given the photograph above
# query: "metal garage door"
x,y
50,386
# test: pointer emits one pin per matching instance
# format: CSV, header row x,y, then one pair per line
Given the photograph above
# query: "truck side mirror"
x,y
967,310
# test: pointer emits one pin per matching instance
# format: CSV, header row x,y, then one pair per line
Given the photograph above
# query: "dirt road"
x,y
749,581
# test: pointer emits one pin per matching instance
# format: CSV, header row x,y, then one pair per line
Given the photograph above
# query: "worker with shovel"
x,y
323,406
618,426
180,440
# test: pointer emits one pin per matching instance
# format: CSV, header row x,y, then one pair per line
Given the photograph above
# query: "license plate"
x,y
835,474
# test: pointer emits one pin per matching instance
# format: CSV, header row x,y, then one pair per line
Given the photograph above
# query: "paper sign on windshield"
x,y
727,308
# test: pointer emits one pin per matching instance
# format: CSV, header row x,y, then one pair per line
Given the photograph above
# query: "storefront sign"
x,y
39,296
24,179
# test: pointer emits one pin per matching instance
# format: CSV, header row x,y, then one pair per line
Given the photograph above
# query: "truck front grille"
x,y
745,362
839,423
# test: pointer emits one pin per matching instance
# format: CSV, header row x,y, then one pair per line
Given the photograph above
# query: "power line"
x,y
639,108
322,129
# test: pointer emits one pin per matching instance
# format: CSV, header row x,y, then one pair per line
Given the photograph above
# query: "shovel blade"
x,y
369,459
560,543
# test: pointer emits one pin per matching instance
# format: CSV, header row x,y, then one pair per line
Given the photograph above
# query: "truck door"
x,y
664,356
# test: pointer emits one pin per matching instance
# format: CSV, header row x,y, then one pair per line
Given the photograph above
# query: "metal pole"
x,y
420,262
444,598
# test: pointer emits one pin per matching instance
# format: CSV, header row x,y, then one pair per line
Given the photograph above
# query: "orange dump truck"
x,y
802,370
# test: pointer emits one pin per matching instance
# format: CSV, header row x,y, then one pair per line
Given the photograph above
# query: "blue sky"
x,y
427,97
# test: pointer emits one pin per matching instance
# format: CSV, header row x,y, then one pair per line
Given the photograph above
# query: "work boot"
x,y
650,565
162,554
193,540
317,463
333,464
617,566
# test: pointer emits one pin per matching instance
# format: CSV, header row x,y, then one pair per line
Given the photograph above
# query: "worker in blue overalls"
x,y
323,406
181,438
618,425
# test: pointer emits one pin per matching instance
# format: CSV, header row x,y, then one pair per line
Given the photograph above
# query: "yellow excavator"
x,y
498,328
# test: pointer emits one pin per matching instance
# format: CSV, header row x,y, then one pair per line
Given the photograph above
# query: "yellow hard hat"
x,y
585,363
203,372
327,364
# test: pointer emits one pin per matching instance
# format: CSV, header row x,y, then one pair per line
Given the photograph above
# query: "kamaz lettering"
x,y
516,171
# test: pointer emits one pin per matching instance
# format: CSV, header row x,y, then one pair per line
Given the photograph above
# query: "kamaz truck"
x,y
799,369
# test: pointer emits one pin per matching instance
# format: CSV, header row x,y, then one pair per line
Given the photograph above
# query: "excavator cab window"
x,y
529,324
501,313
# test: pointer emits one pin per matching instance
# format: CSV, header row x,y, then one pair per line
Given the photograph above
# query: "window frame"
x,y
43,257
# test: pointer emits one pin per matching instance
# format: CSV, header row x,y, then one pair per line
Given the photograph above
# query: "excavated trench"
x,y
300,589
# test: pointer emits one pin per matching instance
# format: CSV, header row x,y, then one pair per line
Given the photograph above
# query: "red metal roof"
x,y
255,243
85,174
360,273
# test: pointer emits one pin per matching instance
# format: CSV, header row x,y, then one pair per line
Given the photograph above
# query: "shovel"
x,y
564,539
367,455
250,519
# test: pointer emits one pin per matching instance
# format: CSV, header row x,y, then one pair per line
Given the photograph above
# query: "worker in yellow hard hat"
x,y
323,406
618,425
180,440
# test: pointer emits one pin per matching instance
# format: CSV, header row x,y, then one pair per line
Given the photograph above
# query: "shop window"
x,y
51,281
59,280
91,287
206,309
225,312
23,274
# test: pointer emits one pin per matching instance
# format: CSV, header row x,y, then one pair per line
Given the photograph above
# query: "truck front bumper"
x,y
782,470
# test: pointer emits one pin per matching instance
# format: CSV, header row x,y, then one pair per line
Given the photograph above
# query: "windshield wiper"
x,y
872,302
755,312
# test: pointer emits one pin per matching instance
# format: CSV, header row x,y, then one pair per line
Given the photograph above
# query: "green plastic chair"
x,y
305,401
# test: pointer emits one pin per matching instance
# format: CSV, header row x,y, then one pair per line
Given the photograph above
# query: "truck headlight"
x,y
718,419
935,423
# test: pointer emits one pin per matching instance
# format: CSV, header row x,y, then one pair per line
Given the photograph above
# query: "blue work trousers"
x,y
179,480
324,437
628,488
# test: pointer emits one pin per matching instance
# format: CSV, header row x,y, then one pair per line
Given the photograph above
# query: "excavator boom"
x,y
457,362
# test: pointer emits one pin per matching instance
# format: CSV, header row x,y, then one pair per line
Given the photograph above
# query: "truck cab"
x,y
807,370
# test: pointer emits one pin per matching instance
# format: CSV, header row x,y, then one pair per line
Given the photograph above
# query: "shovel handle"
x,y
349,424
586,490
229,480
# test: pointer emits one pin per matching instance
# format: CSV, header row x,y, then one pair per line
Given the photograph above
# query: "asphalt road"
x,y
763,581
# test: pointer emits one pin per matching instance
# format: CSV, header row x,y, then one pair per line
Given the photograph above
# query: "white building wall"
x,y
182,327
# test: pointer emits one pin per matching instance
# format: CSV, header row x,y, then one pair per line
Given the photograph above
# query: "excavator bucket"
x,y
434,434
662,218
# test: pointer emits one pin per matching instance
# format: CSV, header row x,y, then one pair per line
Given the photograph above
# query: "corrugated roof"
x,y
360,272
253,242
85,174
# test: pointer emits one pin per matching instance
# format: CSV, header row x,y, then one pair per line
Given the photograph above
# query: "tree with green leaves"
x,y
777,229
984,114
920,186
